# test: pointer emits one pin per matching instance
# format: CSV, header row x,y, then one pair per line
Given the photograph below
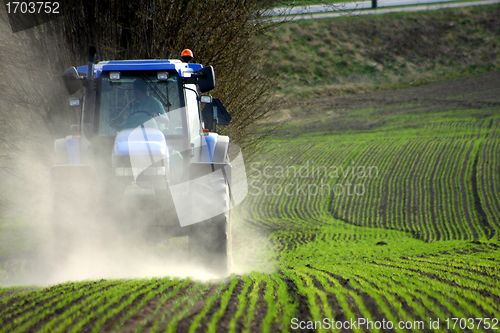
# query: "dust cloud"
x,y
51,236
34,112
101,244
252,250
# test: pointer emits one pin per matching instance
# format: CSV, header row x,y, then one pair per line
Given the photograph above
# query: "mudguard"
x,y
61,151
221,150
214,157
215,148
68,150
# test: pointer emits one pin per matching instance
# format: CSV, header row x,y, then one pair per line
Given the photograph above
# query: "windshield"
x,y
139,98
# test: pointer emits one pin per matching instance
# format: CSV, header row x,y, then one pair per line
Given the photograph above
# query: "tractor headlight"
x,y
124,172
162,76
155,171
114,75
129,172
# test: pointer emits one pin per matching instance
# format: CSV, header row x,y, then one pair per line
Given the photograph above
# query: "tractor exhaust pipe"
x,y
90,64
88,112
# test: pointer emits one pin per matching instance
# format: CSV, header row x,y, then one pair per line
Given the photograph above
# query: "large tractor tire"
x,y
210,241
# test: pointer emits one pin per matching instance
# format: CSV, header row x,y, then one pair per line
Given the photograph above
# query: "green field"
x,y
380,208
433,203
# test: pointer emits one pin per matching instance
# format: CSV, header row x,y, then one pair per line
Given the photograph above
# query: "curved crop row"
x,y
36,311
288,186
488,183
392,291
421,185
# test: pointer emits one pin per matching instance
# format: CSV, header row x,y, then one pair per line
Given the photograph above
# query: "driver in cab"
x,y
145,108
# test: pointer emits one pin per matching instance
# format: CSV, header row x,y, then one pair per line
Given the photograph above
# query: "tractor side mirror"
x,y
206,78
215,114
72,81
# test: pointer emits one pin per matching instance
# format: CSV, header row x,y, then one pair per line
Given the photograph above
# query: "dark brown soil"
x,y
480,91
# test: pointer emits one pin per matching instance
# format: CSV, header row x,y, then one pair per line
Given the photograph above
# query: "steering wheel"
x,y
140,111
132,122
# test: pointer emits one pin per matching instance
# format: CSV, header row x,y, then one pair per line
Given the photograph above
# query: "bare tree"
x,y
225,34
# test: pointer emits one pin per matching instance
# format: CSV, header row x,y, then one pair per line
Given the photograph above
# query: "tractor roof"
x,y
141,65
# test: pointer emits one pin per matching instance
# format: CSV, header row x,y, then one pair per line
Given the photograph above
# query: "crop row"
x,y
406,290
425,186
488,184
422,187
285,186
462,283
463,129
250,303
86,303
494,127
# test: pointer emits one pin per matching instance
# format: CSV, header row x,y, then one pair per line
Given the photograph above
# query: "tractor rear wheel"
x,y
210,241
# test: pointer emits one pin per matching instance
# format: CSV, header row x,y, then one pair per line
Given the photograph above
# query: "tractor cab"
x,y
159,95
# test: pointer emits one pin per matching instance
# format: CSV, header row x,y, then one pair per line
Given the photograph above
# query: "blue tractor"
x,y
146,156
